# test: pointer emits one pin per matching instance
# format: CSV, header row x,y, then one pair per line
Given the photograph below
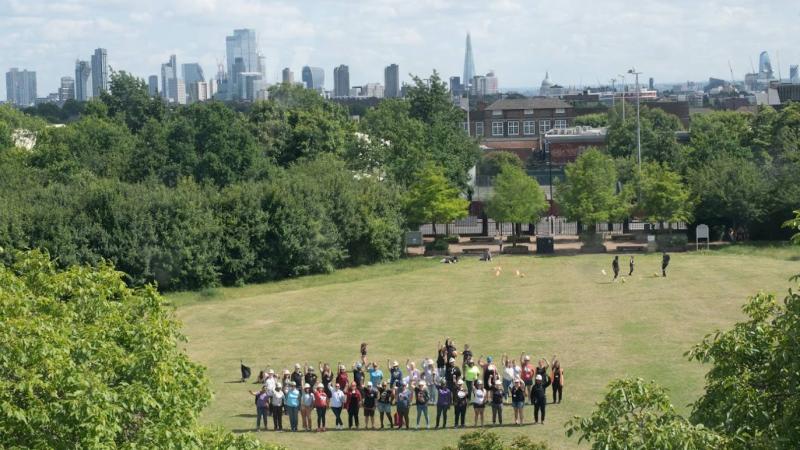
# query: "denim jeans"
x,y
506,387
261,411
432,394
423,410
292,411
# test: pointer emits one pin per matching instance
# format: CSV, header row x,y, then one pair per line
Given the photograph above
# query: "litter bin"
x,y
544,245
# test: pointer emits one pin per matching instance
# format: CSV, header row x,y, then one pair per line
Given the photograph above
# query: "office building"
x,y
192,73
21,87
341,81
197,91
469,64
287,76
794,74
169,80
483,85
391,81
242,56
67,89
252,86
456,88
83,81
99,71
764,67
314,78
152,85
373,90
180,92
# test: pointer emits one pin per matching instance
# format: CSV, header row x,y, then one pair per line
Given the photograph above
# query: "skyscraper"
x,y
241,47
764,66
287,76
21,87
152,85
192,73
314,78
469,64
67,89
794,74
169,80
391,81
83,81
99,71
341,81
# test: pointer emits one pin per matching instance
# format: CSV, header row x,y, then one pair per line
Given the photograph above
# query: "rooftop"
x,y
528,103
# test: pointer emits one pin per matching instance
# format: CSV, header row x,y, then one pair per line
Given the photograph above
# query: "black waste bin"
x,y
545,245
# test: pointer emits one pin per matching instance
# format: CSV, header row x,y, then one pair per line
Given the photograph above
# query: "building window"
x,y
478,128
497,113
529,127
497,128
513,128
528,112
559,110
544,126
465,126
561,124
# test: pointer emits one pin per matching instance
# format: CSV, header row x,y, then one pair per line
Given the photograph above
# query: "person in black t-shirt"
x,y
539,397
615,266
518,401
370,397
664,263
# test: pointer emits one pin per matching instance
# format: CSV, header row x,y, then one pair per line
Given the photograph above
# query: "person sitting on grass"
x,y
487,256
262,405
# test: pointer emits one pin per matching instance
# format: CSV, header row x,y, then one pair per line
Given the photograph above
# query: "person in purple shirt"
x,y
262,406
443,401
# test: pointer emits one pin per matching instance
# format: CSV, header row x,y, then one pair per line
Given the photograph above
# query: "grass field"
x,y
564,305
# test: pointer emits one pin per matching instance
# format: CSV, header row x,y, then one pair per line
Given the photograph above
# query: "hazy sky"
x,y
578,41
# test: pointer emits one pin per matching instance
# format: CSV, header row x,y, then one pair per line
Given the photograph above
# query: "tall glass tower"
x,y
469,64
99,71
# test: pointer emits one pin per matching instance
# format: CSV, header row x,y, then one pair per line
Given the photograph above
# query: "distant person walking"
x,y
615,266
664,263
557,378
631,266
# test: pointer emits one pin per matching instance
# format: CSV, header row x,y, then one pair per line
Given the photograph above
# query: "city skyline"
x,y
581,43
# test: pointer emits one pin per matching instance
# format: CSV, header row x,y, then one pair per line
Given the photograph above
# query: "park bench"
x,y
482,239
631,248
474,251
623,237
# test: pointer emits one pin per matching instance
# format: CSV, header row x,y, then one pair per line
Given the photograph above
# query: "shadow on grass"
x,y
244,415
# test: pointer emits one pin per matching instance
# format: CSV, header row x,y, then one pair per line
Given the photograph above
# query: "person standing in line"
x,y
518,402
527,372
631,265
385,397
337,400
364,353
453,375
466,357
341,378
471,375
352,404
539,397
287,377
403,404
443,400
395,374
441,360
262,405
664,263
421,398
292,402
557,380
325,377
271,381
413,373
497,402
321,405
306,406
429,375
461,401
615,266
297,376
277,408
508,375
358,375
489,371
375,374
479,402
311,377
370,399
542,368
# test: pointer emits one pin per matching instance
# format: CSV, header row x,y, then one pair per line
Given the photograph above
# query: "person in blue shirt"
x,y
292,404
395,374
375,374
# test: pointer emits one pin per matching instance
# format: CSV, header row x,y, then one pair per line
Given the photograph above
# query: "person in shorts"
x,y
518,401
370,398
478,401
385,397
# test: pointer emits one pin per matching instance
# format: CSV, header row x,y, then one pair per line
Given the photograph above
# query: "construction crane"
x,y
731,69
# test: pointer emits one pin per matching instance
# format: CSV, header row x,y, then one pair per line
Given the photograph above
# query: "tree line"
x,y
197,196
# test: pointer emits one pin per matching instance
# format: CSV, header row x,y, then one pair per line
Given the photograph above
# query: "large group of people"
x,y
439,385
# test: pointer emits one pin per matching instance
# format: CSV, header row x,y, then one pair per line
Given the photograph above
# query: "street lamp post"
x,y
638,121
624,88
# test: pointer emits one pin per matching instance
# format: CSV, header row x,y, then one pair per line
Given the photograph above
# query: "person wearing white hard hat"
x,y
429,375
276,402
306,406
444,398
527,372
385,398
518,401
337,400
479,397
370,397
453,375
292,404
297,376
539,397
341,377
461,400
311,377
422,398
321,405
496,394
270,381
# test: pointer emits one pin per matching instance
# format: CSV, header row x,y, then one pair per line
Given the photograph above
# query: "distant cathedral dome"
x,y
546,84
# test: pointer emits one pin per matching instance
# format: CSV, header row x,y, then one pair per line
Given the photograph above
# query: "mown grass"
x,y
563,305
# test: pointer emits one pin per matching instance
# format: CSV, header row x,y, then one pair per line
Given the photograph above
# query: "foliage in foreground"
x,y
638,414
86,362
488,440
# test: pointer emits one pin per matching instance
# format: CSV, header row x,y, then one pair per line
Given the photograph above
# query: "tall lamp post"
x,y
624,88
638,122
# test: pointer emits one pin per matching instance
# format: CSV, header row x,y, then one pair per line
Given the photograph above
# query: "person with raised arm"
x,y
325,377
557,379
341,378
479,401
443,401
336,401
385,398
262,406
539,397
518,401
421,399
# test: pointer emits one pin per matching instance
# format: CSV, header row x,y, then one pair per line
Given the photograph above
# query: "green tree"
x,y
751,389
433,199
718,134
658,136
489,440
129,100
491,163
589,192
517,198
595,120
663,196
794,225
638,414
90,363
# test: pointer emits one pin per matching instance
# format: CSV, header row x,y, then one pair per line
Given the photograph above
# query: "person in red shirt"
x,y
321,405
352,403
341,378
527,373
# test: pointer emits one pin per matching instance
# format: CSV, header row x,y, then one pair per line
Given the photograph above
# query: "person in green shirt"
x,y
472,374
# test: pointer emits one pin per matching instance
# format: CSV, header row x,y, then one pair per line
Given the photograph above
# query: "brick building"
x,y
520,120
